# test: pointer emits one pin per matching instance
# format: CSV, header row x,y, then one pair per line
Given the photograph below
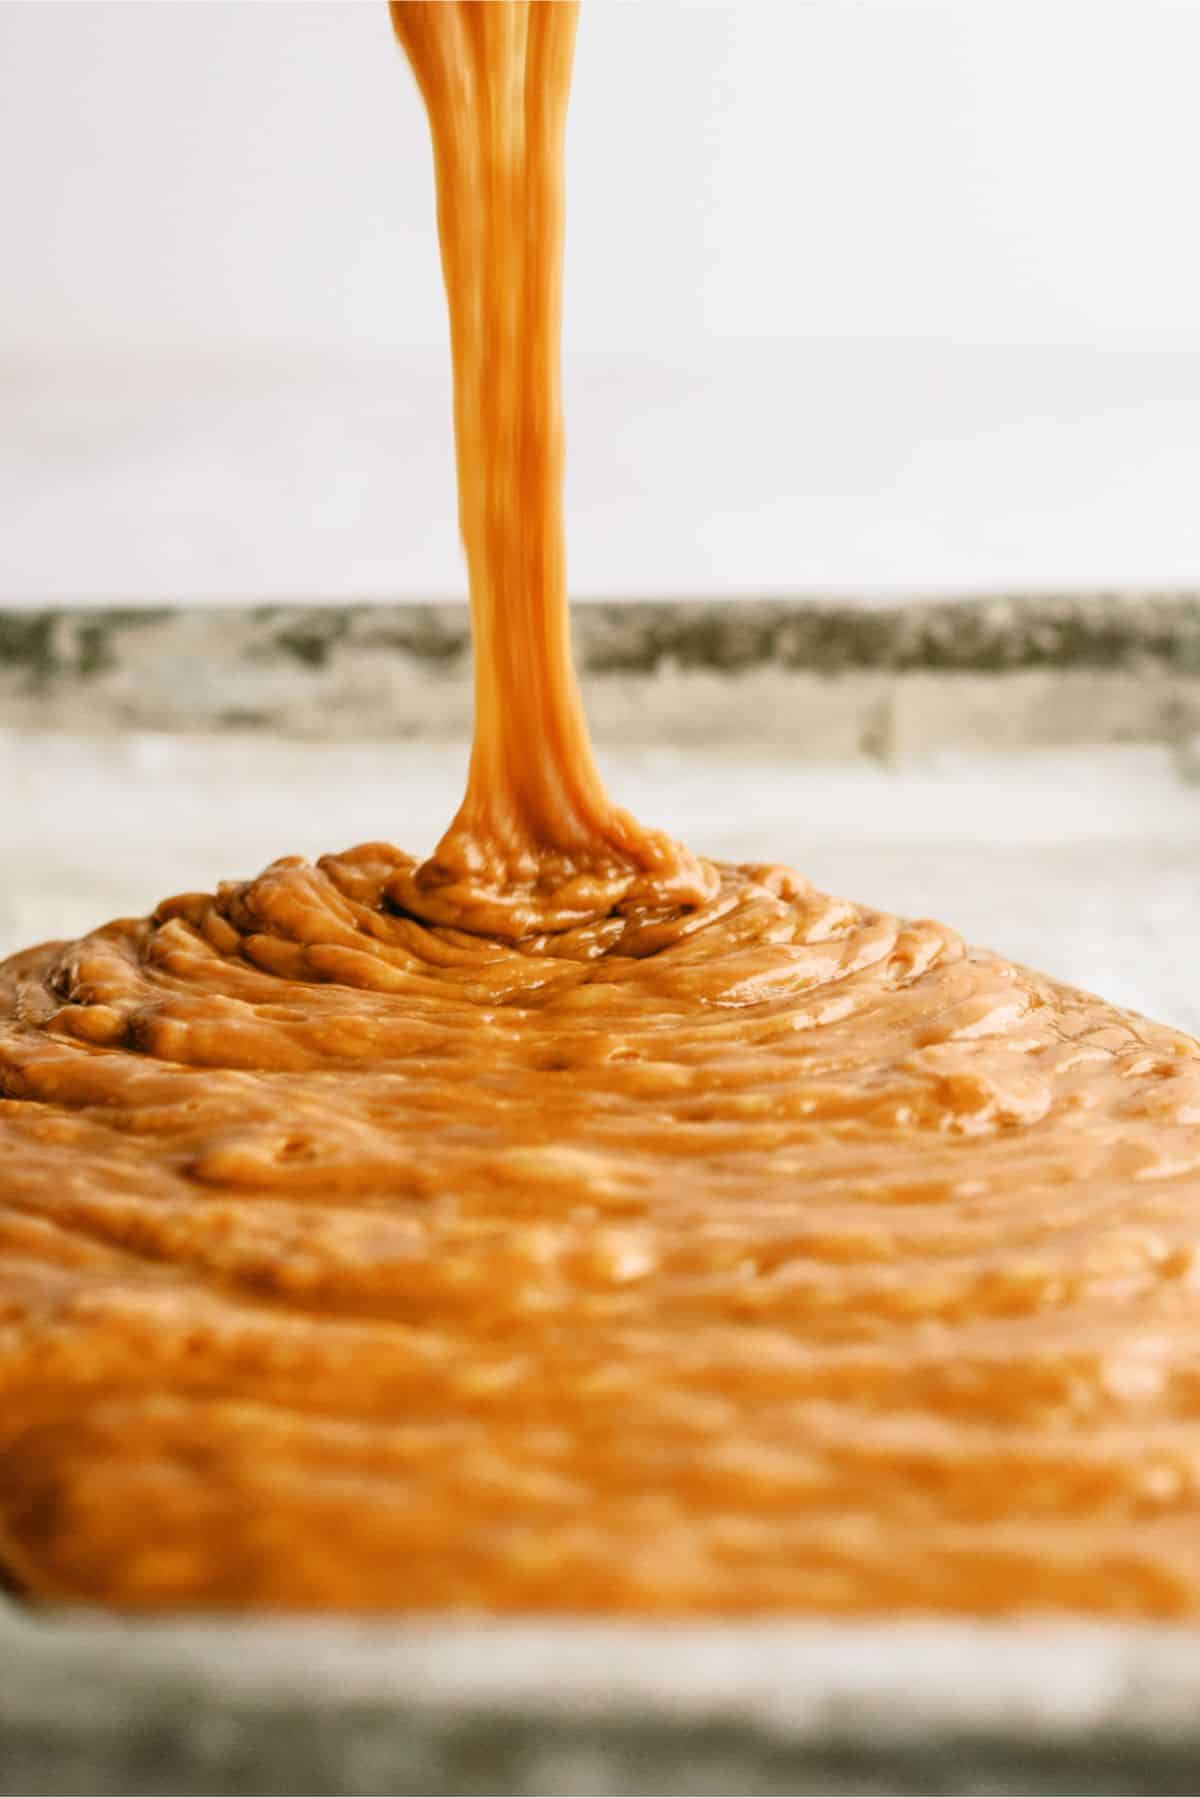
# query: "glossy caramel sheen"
x,y
777,1255
537,842
566,1223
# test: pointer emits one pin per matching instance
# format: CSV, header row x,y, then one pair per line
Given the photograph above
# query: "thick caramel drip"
x,y
537,842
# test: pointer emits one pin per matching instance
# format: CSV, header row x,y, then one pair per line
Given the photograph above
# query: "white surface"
x,y
1096,882
303,477
894,297
888,171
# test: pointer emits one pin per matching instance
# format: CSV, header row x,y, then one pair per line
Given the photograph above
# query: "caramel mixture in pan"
x,y
566,1223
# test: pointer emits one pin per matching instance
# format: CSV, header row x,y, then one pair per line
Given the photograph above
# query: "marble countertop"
x,y
94,1705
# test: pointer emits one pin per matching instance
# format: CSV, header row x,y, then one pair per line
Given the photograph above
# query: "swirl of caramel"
x,y
766,1253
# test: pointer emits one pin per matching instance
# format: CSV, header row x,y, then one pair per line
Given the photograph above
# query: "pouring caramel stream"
x,y
537,842
565,1223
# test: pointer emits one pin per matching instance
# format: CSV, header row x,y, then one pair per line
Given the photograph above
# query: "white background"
x,y
863,296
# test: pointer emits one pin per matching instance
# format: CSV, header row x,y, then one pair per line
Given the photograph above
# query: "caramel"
x,y
566,1223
